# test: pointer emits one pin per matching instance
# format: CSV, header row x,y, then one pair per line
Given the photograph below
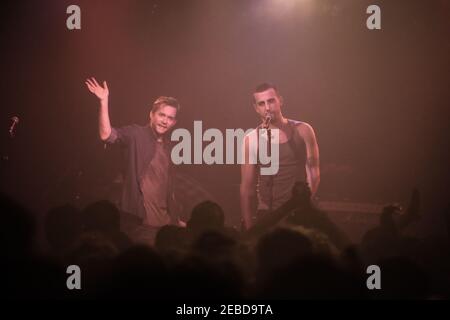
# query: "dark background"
x,y
378,100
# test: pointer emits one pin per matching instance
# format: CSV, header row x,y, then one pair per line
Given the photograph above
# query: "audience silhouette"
x,y
294,253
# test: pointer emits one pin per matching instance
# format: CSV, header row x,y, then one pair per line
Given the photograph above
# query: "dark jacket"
x,y
139,143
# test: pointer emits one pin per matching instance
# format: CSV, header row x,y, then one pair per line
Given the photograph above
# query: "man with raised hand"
x,y
148,191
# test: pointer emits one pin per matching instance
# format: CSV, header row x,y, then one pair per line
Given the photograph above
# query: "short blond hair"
x,y
163,100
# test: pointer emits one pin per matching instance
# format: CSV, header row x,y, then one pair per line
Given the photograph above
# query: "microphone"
x,y
267,121
12,129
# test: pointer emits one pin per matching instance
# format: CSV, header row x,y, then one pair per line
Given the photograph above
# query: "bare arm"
x,y
248,187
102,93
312,157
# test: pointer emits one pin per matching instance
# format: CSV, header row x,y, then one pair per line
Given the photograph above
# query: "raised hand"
x,y
301,197
93,86
413,210
403,219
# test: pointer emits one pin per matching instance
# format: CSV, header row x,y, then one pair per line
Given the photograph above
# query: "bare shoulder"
x,y
304,129
250,135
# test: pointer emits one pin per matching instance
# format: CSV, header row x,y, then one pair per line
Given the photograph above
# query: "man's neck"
x,y
278,123
158,137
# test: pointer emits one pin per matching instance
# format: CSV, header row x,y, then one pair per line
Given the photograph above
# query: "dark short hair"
x,y
168,101
264,87
205,215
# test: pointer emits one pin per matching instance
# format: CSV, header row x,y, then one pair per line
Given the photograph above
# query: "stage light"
x,y
284,8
